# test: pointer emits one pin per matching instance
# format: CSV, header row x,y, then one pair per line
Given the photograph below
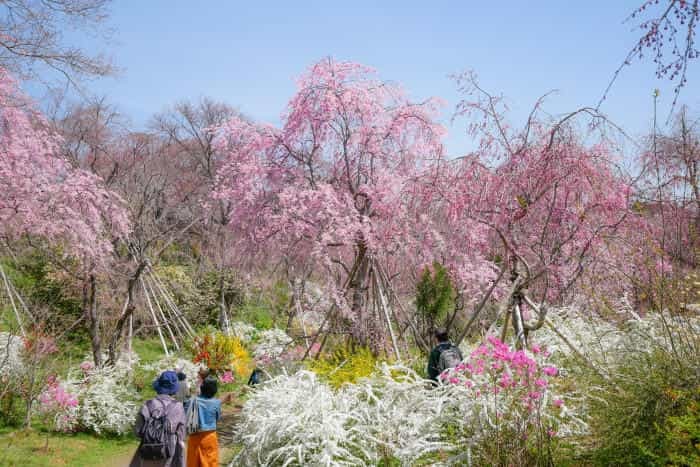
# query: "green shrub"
x,y
648,414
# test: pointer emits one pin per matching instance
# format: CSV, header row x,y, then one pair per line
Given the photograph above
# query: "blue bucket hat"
x,y
166,383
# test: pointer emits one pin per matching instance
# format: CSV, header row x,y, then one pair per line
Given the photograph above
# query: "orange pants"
x,y
203,449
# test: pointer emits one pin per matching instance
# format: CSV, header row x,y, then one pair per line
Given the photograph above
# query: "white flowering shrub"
x,y
604,345
90,399
106,403
271,344
397,415
173,362
243,331
394,415
297,420
10,355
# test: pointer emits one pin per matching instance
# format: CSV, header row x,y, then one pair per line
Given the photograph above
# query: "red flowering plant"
x,y
224,355
510,394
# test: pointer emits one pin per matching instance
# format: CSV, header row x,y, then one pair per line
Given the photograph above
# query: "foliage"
x,y
199,296
346,364
37,279
648,412
682,434
435,295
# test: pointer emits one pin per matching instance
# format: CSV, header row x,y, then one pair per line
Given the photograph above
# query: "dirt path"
x,y
226,431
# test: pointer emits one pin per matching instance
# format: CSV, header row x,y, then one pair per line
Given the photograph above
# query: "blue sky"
x,y
248,53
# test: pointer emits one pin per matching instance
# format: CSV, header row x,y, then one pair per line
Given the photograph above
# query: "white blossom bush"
x,y
271,344
394,414
10,355
397,414
604,345
175,363
297,420
106,404
243,331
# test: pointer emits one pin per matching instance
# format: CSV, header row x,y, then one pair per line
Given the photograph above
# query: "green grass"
x,y
148,349
38,448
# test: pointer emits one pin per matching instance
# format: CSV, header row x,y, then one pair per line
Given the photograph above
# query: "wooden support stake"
x,y
155,320
386,316
12,300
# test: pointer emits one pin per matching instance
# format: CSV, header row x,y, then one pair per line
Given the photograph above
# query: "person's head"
x,y
166,383
209,387
181,376
203,373
441,335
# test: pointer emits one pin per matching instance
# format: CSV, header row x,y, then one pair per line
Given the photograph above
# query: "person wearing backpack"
x,y
160,425
443,356
203,411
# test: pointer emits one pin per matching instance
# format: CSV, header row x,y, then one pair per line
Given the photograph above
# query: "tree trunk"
x,y
127,311
359,285
90,303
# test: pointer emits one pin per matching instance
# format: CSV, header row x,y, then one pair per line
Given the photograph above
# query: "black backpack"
x,y
255,377
156,433
449,358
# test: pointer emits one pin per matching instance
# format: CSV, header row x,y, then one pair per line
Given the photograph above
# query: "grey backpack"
x,y
156,432
449,358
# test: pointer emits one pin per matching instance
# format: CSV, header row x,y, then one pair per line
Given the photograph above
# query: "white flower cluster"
x,y
10,355
243,331
106,404
175,363
271,344
605,345
297,420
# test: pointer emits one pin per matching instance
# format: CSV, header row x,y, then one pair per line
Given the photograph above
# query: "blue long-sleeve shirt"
x,y
209,412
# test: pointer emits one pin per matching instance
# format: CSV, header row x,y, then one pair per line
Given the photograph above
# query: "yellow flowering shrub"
x,y
344,365
222,353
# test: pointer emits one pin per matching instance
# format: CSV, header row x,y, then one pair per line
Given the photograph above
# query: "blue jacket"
x,y
209,412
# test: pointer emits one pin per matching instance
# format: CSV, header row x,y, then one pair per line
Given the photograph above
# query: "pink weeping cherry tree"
x,y
556,208
333,190
43,196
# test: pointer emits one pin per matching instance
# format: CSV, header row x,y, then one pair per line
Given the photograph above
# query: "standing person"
x,y
160,425
183,390
201,376
443,356
203,446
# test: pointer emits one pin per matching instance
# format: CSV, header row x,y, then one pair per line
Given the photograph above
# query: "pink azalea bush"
x,y
60,404
509,394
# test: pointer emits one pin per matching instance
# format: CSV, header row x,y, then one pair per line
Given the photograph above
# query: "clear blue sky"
x,y
248,53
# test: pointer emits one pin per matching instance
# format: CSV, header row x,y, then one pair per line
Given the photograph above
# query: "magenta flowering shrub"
x,y
510,394
57,402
